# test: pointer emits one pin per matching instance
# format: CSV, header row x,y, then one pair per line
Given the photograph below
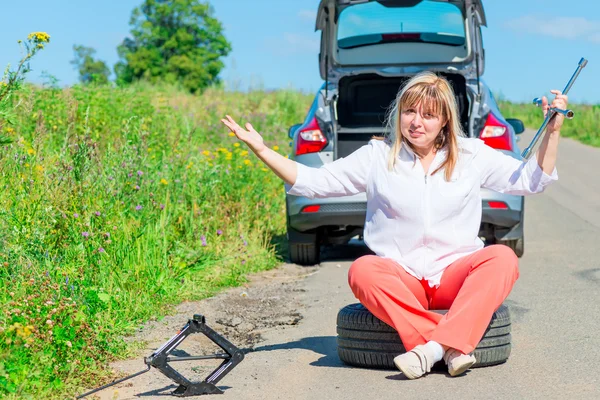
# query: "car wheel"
x,y
303,247
517,245
366,341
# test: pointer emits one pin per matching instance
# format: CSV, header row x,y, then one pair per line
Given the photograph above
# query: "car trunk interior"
x,y
364,99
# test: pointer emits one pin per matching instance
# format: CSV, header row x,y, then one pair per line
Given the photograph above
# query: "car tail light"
x,y
498,205
496,134
310,139
311,209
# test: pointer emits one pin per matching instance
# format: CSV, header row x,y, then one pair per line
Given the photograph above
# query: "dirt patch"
x,y
269,301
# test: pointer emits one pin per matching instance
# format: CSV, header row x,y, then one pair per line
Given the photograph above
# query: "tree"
x,y
90,69
176,41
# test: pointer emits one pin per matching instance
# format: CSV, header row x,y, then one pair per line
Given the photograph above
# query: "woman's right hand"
x,y
248,135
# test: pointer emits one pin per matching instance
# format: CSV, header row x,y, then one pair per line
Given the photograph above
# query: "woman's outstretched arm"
x,y
342,177
283,167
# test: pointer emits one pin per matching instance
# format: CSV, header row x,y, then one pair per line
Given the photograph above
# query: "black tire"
x,y
303,247
304,254
365,341
517,245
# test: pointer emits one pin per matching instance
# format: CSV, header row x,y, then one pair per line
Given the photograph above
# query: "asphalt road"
x,y
554,306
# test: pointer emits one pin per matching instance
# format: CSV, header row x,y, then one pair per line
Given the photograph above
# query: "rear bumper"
x,y
347,214
351,212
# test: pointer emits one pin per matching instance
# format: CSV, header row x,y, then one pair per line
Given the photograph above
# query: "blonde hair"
x,y
435,94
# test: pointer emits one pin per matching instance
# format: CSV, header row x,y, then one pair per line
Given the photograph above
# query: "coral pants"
x,y
472,288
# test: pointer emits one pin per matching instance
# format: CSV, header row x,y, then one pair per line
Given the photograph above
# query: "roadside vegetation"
x,y
117,203
583,127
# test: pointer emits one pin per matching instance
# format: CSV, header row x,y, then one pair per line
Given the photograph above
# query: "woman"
x,y
423,215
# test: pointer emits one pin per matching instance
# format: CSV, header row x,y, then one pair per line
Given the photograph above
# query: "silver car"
x,y
369,48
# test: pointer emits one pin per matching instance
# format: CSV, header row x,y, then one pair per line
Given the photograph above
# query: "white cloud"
x,y
558,27
595,38
307,15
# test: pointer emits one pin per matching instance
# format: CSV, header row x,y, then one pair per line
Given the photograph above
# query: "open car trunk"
x,y
363,101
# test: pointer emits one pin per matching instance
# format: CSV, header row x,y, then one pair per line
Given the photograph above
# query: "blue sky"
x,y
532,46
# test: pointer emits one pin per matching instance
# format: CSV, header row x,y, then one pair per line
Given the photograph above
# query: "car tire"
x,y
303,247
365,341
517,245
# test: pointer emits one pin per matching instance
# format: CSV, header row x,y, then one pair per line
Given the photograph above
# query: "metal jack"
x,y
160,359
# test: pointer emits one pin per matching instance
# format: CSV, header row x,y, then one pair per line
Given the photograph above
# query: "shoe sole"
x,y
462,369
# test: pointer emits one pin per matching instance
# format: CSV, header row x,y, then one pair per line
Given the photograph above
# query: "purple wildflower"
x,y
140,173
67,280
107,234
85,234
130,175
97,213
203,239
245,243
101,250
219,232
110,178
138,207
76,215
243,262
162,206
137,187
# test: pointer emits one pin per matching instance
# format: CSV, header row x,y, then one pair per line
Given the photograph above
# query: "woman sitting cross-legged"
x,y
423,216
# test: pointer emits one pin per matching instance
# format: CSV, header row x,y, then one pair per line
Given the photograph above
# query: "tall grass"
x,y
585,126
117,203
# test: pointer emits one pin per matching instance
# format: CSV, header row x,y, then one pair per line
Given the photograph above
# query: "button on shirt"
x,y
419,220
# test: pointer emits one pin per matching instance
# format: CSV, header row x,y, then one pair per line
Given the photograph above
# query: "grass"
x,y
116,204
584,127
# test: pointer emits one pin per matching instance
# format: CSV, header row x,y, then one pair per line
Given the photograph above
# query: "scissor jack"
x,y
160,359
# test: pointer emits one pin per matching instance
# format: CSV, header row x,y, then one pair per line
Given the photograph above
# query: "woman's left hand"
x,y
560,101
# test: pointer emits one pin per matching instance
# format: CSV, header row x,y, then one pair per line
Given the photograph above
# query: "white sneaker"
x,y
415,363
458,362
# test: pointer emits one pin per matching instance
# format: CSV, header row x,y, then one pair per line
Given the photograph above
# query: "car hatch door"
x,y
394,33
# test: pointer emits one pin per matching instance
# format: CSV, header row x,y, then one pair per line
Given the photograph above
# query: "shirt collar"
x,y
464,146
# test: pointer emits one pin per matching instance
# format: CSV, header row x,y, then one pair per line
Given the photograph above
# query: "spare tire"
x,y
365,341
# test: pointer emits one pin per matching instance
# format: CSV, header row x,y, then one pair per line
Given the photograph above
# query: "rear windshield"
x,y
428,21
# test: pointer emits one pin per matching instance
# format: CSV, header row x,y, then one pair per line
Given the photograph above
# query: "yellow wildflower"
x,y
244,153
39,37
247,162
231,134
164,181
206,153
264,169
275,148
31,152
236,145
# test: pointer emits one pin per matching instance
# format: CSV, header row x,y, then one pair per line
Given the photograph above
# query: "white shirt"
x,y
421,221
